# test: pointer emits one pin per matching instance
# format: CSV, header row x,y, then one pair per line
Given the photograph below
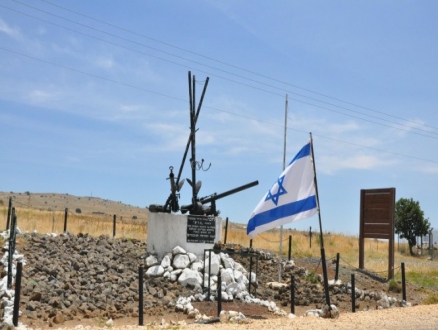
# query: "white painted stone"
x,y
151,261
155,271
165,262
227,261
190,277
254,279
233,289
178,250
289,265
276,285
198,266
333,282
215,263
237,275
192,257
227,276
239,267
181,261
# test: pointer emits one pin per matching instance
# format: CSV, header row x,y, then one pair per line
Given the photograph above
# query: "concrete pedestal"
x,y
166,230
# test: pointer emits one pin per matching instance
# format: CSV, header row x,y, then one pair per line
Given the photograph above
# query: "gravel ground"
x,y
423,317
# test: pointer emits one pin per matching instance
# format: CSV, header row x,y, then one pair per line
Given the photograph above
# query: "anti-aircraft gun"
x,y
197,207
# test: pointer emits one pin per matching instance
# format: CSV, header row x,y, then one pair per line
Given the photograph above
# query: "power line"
x,y
92,75
213,108
231,65
164,95
208,66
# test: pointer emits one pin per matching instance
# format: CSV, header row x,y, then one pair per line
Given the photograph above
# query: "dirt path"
x,y
423,317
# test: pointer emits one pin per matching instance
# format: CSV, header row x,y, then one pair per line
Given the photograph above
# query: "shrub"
x,y
431,299
394,286
134,217
78,210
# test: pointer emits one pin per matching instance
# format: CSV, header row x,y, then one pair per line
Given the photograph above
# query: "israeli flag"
x,y
291,198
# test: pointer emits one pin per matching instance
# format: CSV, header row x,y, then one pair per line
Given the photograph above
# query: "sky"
x,y
94,99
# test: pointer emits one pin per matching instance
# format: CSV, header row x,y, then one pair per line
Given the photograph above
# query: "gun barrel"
x,y
206,200
214,197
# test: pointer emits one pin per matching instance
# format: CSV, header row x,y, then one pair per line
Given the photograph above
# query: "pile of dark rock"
x,y
68,277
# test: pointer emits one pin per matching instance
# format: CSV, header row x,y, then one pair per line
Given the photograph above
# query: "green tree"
x,y
410,221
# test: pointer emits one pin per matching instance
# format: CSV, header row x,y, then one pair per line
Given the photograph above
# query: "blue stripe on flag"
x,y
283,211
304,152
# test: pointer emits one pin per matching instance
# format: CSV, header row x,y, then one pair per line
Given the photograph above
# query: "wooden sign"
x,y
377,207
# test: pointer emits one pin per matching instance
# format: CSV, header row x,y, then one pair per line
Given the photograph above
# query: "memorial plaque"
x,y
201,229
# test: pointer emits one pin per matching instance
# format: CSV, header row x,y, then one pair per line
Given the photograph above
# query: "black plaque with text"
x,y
201,229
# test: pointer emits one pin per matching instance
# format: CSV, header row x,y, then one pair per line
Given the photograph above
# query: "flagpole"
x,y
323,261
284,166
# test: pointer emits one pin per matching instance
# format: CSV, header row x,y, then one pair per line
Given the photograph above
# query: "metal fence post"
x,y
292,294
337,267
8,219
403,281
219,294
17,294
353,294
65,220
140,298
11,248
226,231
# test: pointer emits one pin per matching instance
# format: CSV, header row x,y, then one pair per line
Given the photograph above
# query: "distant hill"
x,y
59,202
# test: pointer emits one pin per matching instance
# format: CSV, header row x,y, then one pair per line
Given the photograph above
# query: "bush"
x,y
134,217
432,299
394,286
78,210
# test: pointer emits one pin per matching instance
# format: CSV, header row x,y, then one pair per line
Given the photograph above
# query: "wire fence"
x,y
50,219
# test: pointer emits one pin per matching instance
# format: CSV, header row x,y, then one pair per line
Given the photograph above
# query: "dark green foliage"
x,y
410,221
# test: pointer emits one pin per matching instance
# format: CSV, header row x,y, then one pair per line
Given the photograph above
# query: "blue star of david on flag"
x,y
297,184
280,191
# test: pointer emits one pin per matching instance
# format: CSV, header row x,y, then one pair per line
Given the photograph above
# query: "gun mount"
x,y
197,207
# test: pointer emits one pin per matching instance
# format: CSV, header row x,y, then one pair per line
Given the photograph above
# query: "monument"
x,y
194,227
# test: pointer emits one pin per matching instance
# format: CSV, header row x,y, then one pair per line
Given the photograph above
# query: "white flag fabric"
x,y
291,198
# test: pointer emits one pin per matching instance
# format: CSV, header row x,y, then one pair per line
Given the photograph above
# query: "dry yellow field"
x,y
45,213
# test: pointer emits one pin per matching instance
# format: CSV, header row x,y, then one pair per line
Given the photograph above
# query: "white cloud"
x,y
7,29
37,96
429,169
105,62
330,164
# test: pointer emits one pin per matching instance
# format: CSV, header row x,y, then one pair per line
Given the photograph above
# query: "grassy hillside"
x,y
58,202
44,212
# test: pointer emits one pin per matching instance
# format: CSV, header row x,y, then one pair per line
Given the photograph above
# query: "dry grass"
x,y
419,270
376,251
42,221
